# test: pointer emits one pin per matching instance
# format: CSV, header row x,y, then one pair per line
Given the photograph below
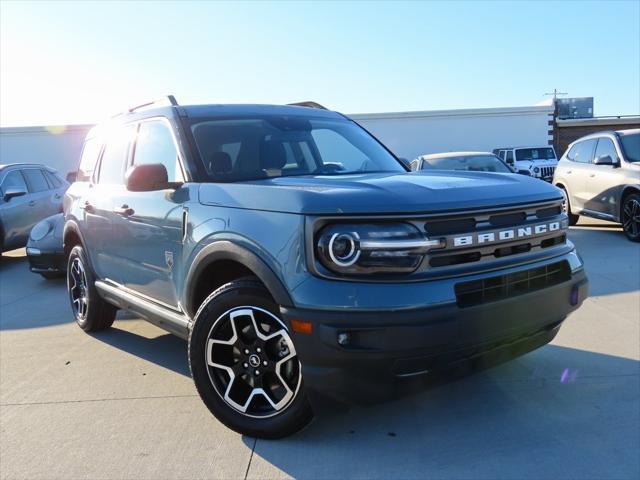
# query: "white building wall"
x,y
407,134
410,134
57,147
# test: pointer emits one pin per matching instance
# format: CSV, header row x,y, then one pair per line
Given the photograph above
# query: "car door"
x,y
106,184
15,212
148,226
57,188
576,172
38,195
603,182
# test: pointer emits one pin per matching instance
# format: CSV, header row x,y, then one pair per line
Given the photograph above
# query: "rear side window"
x,y
35,180
115,153
54,180
89,158
155,144
582,152
13,180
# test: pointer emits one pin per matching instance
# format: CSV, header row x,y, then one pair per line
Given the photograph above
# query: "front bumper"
x,y
392,351
46,261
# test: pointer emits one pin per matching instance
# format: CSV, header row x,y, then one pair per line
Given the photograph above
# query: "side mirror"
x,y
147,178
72,177
524,172
604,160
13,192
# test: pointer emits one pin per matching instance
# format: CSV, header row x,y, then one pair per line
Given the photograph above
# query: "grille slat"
x,y
502,287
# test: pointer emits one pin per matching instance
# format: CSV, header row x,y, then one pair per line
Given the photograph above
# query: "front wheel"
x,y
244,363
630,217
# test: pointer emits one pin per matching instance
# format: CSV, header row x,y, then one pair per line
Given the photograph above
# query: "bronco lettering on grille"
x,y
505,235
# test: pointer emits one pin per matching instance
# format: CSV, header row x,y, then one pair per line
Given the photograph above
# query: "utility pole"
x,y
555,94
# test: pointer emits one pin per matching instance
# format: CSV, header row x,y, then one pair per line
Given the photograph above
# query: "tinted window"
x,y
35,180
535,154
631,146
13,179
582,152
54,180
113,158
154,144
606,147
509,158
275,145
89,159
472,163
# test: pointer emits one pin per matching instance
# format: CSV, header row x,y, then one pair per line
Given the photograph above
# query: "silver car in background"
x,y
28,194
600,177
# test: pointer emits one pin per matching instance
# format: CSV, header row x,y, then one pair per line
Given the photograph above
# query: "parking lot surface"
x,y
121,404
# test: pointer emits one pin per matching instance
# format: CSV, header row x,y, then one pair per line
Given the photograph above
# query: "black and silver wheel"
x,y
630,217
566,207
89,309
244,363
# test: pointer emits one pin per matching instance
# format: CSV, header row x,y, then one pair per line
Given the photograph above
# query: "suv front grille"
x,y
496,234
501,287
547,171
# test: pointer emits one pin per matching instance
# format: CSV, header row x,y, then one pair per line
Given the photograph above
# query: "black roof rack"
x,y
167,99
309,105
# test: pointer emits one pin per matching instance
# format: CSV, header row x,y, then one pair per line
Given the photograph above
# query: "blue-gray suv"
x,y
303,262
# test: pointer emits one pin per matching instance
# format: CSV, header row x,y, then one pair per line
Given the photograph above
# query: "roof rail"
x,y
308,104
170,99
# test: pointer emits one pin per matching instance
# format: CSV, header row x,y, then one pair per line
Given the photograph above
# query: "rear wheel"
x,y
566,206
91,312
630,216
244,363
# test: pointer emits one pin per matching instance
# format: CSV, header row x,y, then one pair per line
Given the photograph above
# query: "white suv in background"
x,y
540,161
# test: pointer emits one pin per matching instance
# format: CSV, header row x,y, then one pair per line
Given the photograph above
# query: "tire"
x,y
630,216
91,312
573,218
239,349
52,275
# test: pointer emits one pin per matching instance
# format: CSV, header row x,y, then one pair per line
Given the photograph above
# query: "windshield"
x,y
631,147
473,163
535,154
246,148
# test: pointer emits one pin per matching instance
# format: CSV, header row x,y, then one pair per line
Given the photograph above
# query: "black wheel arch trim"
x,y
227,250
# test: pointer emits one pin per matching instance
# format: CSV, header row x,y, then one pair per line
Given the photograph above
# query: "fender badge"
x,y
168,259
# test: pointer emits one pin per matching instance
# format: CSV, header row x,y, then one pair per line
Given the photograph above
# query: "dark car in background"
x,y
45,250
28,194
465,161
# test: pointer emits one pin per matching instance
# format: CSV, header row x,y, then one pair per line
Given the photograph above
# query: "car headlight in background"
x,y
536,170
40,230
373,248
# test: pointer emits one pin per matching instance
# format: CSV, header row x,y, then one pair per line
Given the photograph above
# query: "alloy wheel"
x,y
78,289
252,362
631,217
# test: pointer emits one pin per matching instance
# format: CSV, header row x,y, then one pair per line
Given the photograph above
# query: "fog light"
x,y
344,338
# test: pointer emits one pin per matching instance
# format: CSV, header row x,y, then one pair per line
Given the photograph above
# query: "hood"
x,y
387,193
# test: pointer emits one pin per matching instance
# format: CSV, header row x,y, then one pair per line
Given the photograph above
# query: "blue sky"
x,y
76,62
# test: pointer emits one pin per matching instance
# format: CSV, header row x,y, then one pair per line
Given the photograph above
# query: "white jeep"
x,y
540,161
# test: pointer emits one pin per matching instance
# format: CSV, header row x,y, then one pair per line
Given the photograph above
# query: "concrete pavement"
x,y
120,404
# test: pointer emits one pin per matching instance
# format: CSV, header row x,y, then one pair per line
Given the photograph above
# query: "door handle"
x,y
32,203
568,172
592,175
124,210
87,207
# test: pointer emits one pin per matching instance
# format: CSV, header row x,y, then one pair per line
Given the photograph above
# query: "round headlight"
x,y
536,169
344,248
40,230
